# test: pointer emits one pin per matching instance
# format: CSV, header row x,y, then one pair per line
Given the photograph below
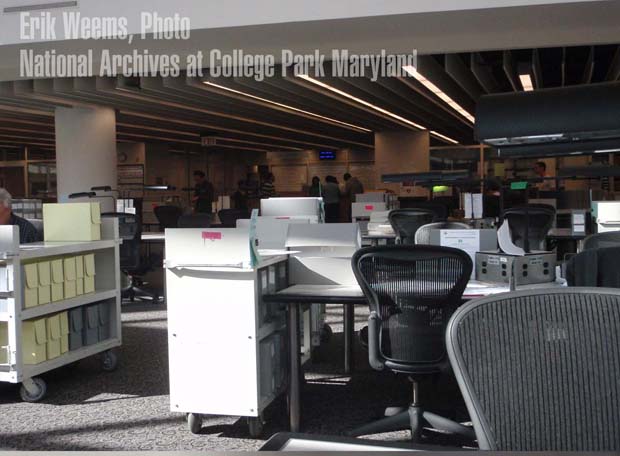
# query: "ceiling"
x,y
291,113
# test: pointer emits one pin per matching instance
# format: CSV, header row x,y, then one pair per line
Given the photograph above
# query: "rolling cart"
x,y
39,333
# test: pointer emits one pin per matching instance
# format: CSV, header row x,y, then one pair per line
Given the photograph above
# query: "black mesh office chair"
x,y
423,235
594,268
195,221
539,371
229,217
436,206
406,223
130,231
602,240
529,225
168,216
412,292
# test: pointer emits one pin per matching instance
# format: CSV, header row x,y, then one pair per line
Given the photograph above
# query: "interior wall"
x,y
294,170
398,152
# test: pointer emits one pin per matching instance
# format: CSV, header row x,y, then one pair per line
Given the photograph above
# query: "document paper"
x,y
467,240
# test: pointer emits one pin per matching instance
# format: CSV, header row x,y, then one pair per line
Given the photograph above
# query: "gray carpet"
x,y
87,409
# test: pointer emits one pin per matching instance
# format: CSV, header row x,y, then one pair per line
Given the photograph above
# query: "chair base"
x,y
413,418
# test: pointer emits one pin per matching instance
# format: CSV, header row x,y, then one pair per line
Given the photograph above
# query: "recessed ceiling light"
x,y
282,105
375,107
439,93
526,82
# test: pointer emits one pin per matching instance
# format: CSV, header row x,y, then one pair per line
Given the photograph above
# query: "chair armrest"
x,y
374,352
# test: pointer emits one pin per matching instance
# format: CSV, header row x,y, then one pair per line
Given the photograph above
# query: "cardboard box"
x,y
34,341
89,273
54,335
45,282
64,332
70,277
58,280
31,285
79,274
76,329
4,342
72,222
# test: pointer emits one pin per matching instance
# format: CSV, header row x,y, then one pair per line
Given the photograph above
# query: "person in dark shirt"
x,y
315,190
203,194
267,187
27,232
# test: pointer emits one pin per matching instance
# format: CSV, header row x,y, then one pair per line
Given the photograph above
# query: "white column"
x,y
85,152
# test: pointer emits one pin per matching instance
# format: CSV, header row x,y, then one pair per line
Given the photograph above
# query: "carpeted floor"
x,y
87,409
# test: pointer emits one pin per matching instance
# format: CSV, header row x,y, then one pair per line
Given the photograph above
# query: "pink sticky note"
x,y
370,208
211,235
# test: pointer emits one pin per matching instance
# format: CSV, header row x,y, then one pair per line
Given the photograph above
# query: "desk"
x,y
376,238
295,297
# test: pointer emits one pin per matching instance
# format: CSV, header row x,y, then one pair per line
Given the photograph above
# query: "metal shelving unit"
x,y
13,312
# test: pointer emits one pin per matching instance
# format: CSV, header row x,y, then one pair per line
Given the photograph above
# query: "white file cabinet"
x,y
227,349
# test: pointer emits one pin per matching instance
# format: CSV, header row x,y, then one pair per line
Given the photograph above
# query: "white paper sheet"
x,y
467,240
477,204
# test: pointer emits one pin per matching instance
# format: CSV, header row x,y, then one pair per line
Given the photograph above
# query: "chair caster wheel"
x,y
194,422
255,426
33,389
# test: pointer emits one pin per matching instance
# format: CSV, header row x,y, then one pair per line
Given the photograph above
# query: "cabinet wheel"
x,y
33,389
194,422
255,426
109,361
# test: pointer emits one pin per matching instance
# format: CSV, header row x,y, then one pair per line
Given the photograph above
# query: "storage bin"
x,y
76,328
79,274
31,285
72,222
58,280
34,341
267,358
54,335
64,332
70,286
45,282
91,324
104,321
89,273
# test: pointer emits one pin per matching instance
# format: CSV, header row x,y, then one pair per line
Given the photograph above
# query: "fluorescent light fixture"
x,y
282,105
526,82
413,71
305,77
606,151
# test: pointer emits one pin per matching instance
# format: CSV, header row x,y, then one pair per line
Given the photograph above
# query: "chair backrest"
x,y
229,217
168,216
412,292
195,221
130,232
530,224
423,235
38,225
439,208
539,370
406,223
602,240
594,268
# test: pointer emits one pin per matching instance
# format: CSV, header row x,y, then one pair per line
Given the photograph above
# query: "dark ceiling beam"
x,y
537,74
482,73
434,72
563,67
509,70
613,74
459,71
588,71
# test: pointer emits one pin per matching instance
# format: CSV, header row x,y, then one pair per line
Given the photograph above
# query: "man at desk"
x,y
203,194
27,232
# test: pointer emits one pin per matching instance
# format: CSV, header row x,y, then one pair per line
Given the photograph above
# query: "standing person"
x,y
331,199
545,185
240,197
267,187
27,232
352,187
204,194
315,189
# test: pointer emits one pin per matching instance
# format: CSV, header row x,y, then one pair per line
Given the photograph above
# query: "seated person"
x,y
27,232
